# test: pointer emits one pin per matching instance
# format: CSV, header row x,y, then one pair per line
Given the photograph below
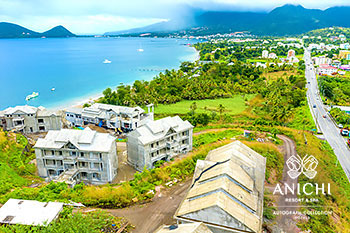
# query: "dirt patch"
x,y
148,217
285,223
125,171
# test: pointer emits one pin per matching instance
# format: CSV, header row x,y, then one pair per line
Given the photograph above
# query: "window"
x,y
52,172
82,154
50,162
74,153
60,152
84,175
101,166
100,155
42,128
8,218
95,176
40,121
52,152
152,145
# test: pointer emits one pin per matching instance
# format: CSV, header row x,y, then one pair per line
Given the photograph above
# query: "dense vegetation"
x,y
329,32
242,52
15,155
215,80
336,90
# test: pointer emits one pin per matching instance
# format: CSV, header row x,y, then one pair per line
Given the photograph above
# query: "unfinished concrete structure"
x,y
110,116
28,119
77,155
227,191
196,227
158,140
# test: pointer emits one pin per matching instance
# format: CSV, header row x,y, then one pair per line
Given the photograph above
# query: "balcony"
x,y
171,145
58,157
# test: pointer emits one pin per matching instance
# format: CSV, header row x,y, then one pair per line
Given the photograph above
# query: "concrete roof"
x,y
197,227
156,130
84,140
231,180
118,109
21,109
74,110
43,112
29,212
93,112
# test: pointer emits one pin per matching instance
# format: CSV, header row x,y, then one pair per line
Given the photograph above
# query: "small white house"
x,y
29,212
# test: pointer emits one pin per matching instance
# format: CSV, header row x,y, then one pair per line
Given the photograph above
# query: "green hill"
x,y
10,30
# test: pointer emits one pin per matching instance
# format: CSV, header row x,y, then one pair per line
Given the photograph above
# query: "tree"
x,y
193,107
221,108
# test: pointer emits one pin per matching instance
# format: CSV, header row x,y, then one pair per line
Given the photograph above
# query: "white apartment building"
x,y
86,155
321,60
158,140
110,116
28,119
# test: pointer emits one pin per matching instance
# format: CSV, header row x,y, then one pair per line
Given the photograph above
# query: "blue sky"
x,y
99,16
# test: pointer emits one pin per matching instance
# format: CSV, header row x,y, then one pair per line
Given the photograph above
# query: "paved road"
x,y
325,125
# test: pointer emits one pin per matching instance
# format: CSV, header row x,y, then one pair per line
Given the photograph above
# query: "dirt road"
x,y
147,218
287,222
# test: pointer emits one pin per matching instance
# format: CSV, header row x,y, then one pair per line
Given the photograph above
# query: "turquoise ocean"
x,y
75,67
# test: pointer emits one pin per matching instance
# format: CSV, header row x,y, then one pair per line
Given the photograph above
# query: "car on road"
x,y
314,106
344,132
340,126
324,116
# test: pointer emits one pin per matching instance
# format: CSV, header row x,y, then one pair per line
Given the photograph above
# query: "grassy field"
x,y
278,74
232,105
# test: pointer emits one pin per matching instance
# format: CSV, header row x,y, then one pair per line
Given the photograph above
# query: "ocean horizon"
x,y
75,67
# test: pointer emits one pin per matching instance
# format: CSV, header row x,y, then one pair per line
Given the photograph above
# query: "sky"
x,y
99,16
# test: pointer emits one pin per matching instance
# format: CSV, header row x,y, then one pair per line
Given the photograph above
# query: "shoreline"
x,y
79,102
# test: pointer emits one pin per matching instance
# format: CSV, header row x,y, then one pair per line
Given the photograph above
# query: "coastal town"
x,y
251,136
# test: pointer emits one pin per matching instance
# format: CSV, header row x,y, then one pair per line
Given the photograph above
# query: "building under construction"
x,y
227,191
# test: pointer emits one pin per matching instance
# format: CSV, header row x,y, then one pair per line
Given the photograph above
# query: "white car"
x,y
340,126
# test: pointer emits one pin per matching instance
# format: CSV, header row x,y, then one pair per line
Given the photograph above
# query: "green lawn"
x,y
262,60
232,105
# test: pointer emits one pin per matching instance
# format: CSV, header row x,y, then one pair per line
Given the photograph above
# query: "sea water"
x,y
75,67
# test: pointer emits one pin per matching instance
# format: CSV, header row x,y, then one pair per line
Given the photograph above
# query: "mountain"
x,y
58,31
285,20
10,30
